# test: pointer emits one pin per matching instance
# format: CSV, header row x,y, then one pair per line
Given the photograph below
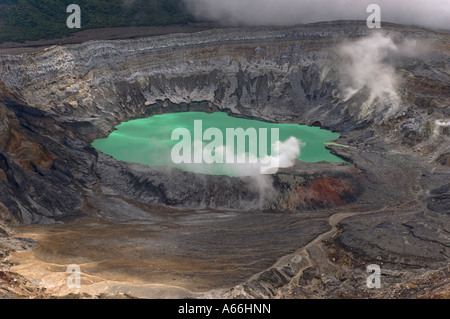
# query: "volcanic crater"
x,y
308,231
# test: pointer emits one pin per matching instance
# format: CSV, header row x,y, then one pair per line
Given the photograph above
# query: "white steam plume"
x,y
430,13
289,151
248,164
368,63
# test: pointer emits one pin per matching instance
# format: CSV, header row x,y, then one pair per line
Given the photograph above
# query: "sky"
x,y
425,13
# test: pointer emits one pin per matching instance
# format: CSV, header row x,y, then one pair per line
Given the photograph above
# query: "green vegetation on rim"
x,y
22,20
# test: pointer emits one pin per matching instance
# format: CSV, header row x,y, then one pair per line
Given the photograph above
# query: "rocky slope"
x,y
390,207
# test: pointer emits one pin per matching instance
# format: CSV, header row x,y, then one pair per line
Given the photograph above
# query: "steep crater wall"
x,y
65,97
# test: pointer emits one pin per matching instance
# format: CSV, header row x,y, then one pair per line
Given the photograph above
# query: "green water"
x,y
148,141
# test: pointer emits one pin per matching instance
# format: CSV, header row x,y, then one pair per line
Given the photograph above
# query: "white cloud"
x,y
430,13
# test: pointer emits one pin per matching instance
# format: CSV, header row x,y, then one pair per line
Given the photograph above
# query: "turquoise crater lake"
x,y
149,141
